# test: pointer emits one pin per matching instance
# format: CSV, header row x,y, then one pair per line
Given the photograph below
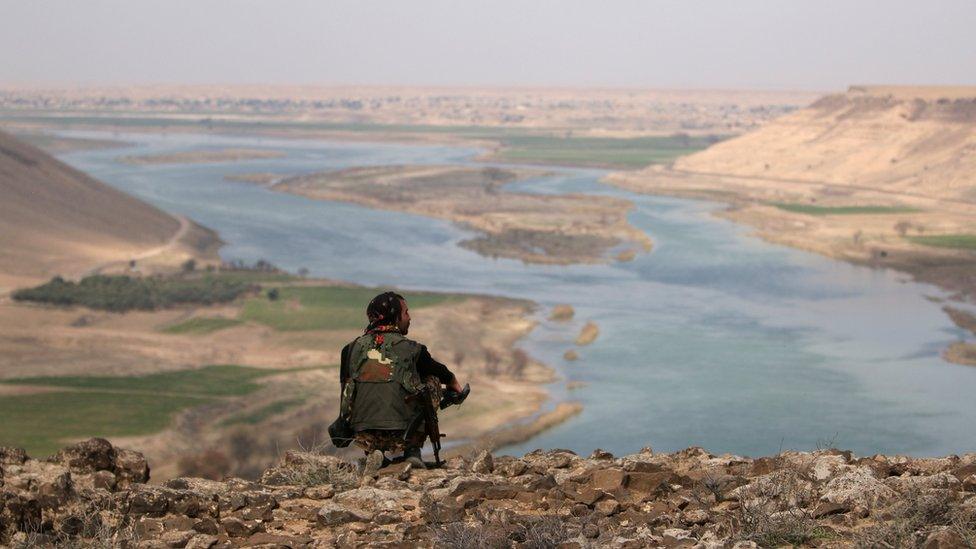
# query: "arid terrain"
x,y
94,493
556,229
57,220
877,176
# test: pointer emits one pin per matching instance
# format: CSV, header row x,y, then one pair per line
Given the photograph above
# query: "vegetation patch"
x,y
296,308
202,325
263,413
543,246
217,380
955,241
811,209
121,293
115,406
634,152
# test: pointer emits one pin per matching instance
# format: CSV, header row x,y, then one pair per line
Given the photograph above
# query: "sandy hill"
x,y
919,140
57,220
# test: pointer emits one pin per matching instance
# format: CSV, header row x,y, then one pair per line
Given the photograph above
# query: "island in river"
x,y
555,229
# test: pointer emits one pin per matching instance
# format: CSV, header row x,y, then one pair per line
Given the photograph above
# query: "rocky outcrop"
x,y
99,494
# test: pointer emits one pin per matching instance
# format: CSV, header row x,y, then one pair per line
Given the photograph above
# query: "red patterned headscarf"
x,y
383,313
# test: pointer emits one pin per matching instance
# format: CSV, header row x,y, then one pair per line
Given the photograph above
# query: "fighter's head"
x,y
388,309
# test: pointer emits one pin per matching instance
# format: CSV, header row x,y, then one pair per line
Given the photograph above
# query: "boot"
x,y
374,461
412,456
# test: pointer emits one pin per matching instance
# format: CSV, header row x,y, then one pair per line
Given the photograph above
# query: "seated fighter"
x,y
384,376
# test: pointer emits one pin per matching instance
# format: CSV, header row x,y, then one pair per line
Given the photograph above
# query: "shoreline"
x,y
813,234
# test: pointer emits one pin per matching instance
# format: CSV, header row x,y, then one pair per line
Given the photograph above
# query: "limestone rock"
x,y
484,463
335,514
130,467
12,456
94,454
858,487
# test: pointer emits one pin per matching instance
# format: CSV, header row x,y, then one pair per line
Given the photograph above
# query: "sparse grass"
x,y
263,413
916,514
251,276
323,307
811,209
544,532
112,406
307,469
202,325
955,241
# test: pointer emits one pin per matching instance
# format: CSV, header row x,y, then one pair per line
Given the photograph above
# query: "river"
x,y
713,339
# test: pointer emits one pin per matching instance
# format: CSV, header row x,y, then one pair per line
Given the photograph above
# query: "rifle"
x,y
428,415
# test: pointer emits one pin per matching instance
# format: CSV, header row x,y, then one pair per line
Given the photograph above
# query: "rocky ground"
x,y
94,495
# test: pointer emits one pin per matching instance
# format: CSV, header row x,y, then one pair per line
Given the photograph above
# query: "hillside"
x,y
57,220
908,140
878,176
92,494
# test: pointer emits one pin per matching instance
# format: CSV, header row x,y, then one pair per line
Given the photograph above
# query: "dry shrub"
x,y
773,514
460,535
711,488
546,533
82,526
916,515
543,532
310,469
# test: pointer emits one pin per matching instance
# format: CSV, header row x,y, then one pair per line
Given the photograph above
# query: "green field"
x,y
956,241
116,405
41,423
202,325
209,381
603,152
323,307
811,209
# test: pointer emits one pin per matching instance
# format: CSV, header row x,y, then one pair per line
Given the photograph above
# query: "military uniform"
x,y
382,377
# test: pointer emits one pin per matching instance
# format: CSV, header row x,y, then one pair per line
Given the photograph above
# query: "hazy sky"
x,y
784,44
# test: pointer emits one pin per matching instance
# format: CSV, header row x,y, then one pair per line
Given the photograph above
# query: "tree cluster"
x,y
125,293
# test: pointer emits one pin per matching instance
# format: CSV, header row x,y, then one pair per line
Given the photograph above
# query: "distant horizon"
x,y
59,85
624,44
